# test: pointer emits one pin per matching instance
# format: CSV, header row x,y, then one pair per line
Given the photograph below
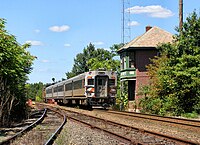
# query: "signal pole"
x,y
180,15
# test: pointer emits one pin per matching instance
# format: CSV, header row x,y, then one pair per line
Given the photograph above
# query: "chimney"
x,y
148,28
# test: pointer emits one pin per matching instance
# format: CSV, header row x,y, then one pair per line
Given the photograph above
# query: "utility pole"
x,y
180,15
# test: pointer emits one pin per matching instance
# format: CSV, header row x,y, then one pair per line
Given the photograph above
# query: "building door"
x,y
131,90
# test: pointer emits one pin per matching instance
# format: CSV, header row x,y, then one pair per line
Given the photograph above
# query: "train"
x,y
92,89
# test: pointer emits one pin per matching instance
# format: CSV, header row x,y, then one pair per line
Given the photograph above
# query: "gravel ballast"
x,y
75,133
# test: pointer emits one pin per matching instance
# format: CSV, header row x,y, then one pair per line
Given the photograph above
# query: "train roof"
x,y
76,78
67,80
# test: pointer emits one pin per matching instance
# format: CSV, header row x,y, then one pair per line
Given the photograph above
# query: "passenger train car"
x,y
93,88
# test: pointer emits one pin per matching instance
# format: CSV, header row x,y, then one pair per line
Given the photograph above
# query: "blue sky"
x,y
60,29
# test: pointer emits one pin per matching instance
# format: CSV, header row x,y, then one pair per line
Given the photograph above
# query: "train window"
x,y
60,88
83,83
100,82
90,81
111,82
55,89
49,91
68,87
78,84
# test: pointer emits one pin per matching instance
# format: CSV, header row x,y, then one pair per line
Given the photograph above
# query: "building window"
x,y
122,64
124,60
131,60
111,82
158,54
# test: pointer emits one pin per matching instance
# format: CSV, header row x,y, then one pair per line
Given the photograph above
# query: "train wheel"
x,y
89,107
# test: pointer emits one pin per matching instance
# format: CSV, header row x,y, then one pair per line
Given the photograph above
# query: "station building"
x,y
135,55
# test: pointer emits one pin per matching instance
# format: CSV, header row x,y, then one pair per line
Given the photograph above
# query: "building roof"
x,y
151,38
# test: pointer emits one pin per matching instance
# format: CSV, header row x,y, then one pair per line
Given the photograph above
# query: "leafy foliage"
x,y
93,59
35,91
80,62
175,75
15,64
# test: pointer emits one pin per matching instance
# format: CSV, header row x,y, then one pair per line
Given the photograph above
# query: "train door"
x,y
101,86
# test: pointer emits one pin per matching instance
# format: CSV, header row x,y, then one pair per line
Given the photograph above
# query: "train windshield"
x,y
101,86
90,81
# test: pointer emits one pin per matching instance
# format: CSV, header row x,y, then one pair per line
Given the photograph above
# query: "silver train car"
x,y
93,88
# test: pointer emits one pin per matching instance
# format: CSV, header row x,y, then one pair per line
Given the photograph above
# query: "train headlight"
x,y
112,92
90,91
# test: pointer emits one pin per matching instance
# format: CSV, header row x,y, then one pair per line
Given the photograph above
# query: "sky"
x,y
60,29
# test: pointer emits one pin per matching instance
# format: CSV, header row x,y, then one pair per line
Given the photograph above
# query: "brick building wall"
x,y
142,59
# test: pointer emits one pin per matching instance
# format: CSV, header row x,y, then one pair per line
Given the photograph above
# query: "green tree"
x,y
103,59
114,48
175,76
35,91
15,64
80,62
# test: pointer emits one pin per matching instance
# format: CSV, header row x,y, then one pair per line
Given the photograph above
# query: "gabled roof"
x,y
149,39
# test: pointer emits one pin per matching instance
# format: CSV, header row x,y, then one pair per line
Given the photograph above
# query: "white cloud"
x,y
37,31
133,23
45,61
34,43
59,28
67,45
153,11
98,43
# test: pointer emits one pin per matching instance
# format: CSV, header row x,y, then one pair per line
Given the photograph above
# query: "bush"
x,y
190,115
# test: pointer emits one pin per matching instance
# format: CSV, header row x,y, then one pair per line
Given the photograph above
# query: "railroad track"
x,y
185,129
131,134
172,120
43,131
10,132
127,134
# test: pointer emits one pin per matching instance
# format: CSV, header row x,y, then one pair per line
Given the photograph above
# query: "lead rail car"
x,y
93,88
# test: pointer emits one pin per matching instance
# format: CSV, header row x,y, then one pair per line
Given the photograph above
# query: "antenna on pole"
x,y
126,29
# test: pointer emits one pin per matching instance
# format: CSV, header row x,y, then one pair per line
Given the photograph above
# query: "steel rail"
x,y
176,139
159,118
122,138
144,131
58,130
39,120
